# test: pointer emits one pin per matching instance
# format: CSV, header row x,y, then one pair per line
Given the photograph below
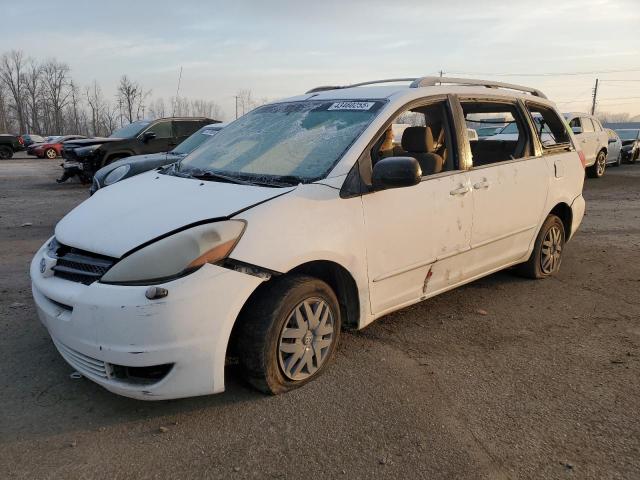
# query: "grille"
x,y
83,363
80,266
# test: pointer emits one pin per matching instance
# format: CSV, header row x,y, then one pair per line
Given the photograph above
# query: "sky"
x,y
280,48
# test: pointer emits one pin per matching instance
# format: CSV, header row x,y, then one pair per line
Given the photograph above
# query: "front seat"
x,y
419,143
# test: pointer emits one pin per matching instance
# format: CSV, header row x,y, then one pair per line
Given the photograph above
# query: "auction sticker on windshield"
x,y
351,106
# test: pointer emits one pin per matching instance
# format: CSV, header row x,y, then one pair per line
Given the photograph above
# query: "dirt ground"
x,y
545,385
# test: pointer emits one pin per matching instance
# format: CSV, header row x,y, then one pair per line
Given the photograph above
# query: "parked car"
x,y
83,158
9,144
630,144
131,166
614,151
30,139
291,222
52,147
592,140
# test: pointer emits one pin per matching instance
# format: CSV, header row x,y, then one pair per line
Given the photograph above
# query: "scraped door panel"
x,y
414,236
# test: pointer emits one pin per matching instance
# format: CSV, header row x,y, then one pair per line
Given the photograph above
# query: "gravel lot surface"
x,y
545,383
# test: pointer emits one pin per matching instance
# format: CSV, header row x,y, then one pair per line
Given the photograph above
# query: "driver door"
x,y
163,141
415,235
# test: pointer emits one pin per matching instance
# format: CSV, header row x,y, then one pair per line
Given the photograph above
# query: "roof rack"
x,y
433,81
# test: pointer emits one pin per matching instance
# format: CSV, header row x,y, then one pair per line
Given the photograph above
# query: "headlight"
x,y
178,254
84,151
117,174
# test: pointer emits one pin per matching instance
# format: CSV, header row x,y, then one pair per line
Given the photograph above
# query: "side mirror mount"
x,y
396,172
576,130
148,136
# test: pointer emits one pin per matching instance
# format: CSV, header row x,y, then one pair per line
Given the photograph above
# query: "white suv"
x,y
297,219
592,139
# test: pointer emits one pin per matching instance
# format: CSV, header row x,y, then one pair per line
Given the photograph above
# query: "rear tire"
x,y
546,257
597,169
288,335
6,153
50,153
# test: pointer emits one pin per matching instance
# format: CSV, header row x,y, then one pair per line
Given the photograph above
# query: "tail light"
x,y
583,159
21,140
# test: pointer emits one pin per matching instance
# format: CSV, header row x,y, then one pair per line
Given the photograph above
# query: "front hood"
x,y
86,142
129,213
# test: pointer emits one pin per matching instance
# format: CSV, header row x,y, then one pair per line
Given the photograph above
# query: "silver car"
x,y
614,152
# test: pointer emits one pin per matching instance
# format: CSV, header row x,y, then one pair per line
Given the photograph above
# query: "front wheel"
x,y
51,153
5,153
288,335
547,252
597,169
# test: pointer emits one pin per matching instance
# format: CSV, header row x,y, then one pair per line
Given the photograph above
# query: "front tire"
x,y
597,169
51,153
5,153
288,335
546,257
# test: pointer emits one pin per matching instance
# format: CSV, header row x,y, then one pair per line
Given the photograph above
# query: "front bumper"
x,y
101,328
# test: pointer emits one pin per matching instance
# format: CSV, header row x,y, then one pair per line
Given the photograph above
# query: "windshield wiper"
x,y
219,176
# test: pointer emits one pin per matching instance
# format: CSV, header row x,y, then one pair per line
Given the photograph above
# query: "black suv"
x,y
84,157
9,144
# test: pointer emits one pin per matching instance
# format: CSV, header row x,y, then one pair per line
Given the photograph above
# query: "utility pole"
x,y
441,73
236,107
595,97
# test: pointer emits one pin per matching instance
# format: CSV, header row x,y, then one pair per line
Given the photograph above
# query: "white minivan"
x,y
300,218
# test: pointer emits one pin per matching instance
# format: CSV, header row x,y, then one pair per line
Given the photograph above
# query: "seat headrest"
x,y
414,139
419,139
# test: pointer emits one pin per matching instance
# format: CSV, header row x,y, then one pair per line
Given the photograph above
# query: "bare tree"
x,y
57,92
11,75
109,119
131,97
608,117
157,108
33,94
4,114
96,103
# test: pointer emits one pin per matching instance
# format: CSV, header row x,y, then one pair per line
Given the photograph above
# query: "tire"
x,y
275,362
618,161
6,153
634,157
538,266
50,153
597,169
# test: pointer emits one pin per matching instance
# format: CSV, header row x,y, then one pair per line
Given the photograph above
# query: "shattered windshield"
x,y
300,140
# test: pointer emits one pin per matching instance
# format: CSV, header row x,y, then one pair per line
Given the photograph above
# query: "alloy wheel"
x,y
601,164
51,154
551,250
306,338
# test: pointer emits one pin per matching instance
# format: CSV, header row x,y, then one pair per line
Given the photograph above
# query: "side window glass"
x,y
161,129
509,143
587,125
550,128
422,133
185,128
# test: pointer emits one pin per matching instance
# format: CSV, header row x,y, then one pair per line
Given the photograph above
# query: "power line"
x,y
549,74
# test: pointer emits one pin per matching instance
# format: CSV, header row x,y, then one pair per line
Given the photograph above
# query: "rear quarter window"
x,y
551,129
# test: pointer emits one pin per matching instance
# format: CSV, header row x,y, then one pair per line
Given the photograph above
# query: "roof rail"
x,y
433,81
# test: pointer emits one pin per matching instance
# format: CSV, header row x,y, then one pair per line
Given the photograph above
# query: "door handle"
x,y
462,190
483,185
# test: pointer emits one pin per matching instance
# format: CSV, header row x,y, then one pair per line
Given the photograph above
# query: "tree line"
x,y
41,97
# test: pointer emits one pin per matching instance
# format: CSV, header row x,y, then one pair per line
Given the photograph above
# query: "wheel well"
x,y
563,211
336,276
342,283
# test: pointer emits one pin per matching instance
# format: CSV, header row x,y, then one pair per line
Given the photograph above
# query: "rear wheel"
x,y
547,252
50,153
5,153
288,335
597,169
